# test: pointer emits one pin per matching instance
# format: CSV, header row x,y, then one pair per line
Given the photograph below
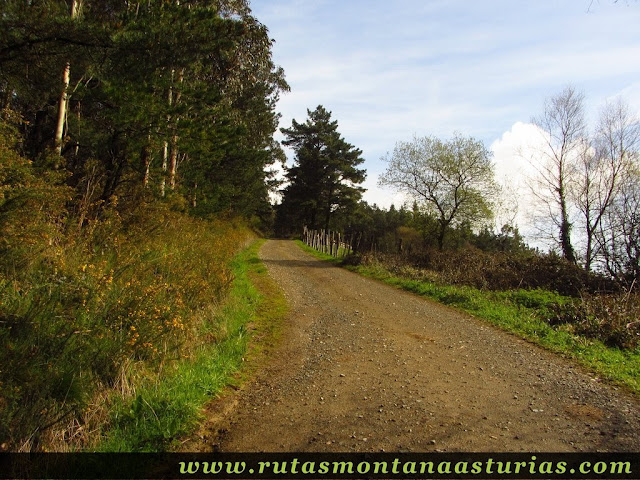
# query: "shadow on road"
x,y
298,263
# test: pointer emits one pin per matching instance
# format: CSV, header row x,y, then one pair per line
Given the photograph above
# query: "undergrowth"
x,y
93,307
119,318
170,405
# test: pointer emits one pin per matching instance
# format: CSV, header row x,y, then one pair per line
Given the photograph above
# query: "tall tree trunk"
x,y
165,163
173,162
63,102
146,161
565,229
165,148
173,159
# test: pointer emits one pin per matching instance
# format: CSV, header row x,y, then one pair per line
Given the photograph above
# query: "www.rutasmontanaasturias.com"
x,y
400,467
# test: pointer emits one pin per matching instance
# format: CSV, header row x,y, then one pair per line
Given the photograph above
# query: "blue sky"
x,y
389,70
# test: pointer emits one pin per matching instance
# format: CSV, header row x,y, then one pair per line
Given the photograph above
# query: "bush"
x,y
496,270
85,311
559,292
614,318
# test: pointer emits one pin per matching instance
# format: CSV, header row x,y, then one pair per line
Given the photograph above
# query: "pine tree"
x,y
324,178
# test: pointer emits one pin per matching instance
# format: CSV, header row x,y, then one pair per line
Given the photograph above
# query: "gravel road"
x,y
365,367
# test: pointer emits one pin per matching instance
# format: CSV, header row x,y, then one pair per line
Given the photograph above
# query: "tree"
x,y
63,103
563,127
453,180
601,174
111,117
617,229
622,255
324,176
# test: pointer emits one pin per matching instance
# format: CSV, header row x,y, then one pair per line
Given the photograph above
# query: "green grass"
x,y
523,313
172,406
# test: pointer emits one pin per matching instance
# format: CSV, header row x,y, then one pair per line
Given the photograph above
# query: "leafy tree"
x,y
324,177
507,240
453,180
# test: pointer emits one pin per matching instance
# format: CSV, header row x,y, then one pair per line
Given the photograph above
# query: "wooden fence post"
x,y
335,244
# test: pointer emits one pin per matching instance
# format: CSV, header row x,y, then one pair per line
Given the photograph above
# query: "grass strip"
x,y
173,405
521,312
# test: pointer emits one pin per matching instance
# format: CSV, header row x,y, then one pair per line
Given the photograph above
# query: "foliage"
x,y
494,270
81,315
159,412
610,318
148,105
324,176
453,180
32,208
104,280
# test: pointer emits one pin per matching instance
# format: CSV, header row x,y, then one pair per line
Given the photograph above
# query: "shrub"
x,y
612,318
88,310
496,270
559,292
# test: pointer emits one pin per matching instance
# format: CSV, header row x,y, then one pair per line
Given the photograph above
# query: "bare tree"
x,y
619,232
603,170
618,229
563,125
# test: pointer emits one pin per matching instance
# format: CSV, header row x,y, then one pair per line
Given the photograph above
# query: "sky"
x,y
483,68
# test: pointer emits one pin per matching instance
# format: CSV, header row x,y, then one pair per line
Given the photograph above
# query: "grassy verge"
x,y
523,313
172,406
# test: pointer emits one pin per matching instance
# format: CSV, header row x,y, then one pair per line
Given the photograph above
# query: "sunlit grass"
x,y
171,406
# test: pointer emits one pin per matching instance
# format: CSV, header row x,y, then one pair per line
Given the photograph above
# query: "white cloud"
x,y
514,154
630,95
388,71
382,197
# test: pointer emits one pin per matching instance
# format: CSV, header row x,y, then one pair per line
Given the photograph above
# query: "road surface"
x,y
365,367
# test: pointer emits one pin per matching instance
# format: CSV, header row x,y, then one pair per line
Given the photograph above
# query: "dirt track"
x,y
365,367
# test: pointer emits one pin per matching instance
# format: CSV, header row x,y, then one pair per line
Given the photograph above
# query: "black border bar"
x,y
161,466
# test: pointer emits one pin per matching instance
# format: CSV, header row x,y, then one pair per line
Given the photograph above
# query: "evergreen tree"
x,y
142,103
324,178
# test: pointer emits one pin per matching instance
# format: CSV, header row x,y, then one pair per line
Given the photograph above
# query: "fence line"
x,y
335,244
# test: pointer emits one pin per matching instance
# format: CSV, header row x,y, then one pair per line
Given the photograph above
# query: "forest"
x,y
135,163
137,160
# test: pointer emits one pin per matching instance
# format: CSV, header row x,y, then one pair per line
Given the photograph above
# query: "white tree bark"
x,y
564,129
63,102
165,148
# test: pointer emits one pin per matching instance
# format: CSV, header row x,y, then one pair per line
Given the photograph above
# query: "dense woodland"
x,y
174,97
136,155
136,140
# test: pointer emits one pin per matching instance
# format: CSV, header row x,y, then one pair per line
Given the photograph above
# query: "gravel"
x,y
365,367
